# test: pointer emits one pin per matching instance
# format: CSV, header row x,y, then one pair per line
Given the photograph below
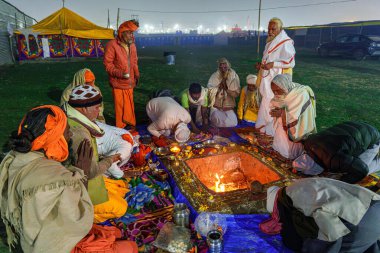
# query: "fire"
x,y
218,186
175,149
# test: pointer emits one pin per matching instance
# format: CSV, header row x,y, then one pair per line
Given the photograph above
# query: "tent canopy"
x,y
67,22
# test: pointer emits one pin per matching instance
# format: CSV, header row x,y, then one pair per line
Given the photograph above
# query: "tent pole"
x,y
117,19
108,19
258,33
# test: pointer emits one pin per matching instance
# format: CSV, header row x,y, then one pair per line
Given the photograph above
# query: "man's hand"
x,y
84,153
115,157
161,141
267,66
223,84
258,65
276,112
136,81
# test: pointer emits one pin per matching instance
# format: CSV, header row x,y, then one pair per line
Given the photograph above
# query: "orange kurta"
x,y
124,107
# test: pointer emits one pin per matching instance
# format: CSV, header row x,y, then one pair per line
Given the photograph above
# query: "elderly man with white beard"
x,y
278,58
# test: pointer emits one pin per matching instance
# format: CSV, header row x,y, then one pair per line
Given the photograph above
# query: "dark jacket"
x,y
337,148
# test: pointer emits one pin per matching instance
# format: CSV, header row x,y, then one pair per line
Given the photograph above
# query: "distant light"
x,y
176,26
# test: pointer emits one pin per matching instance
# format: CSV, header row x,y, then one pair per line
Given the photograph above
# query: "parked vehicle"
x,y
352,45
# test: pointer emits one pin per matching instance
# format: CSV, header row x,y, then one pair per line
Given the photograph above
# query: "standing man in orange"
x,y
120,61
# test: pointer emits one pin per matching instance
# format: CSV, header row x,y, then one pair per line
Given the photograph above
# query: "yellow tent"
x,y
67,22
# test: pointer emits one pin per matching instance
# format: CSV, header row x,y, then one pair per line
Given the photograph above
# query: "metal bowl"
x,y
162,151
209,143
199,145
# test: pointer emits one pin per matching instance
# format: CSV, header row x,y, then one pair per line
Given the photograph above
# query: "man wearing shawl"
x,y
249,101
106,194
278,58
224,88
293,108
120,61
168,117
83,76
195,101
45,207
317,215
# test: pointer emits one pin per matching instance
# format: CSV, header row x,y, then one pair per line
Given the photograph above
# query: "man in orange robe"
x,y
120,61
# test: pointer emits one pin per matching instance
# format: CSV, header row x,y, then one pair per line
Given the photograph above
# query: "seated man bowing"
x,y
224,88
167,117
195,101
107,195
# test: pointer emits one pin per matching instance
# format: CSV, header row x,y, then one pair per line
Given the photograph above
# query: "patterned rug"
x,y
150,206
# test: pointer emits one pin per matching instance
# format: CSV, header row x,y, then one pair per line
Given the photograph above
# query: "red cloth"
x,y
117,64
127,138
139,158
272,226
161,141
103,240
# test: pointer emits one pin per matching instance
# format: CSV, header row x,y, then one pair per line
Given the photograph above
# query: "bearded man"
x,y
278,58
120,61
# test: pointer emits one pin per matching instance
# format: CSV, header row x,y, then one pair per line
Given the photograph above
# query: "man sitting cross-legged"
x,y
107,195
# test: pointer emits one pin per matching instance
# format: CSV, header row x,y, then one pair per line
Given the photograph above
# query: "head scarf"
x,y
182,133
85,96
52,141
251,79
284,82
223,60
89,77
129,25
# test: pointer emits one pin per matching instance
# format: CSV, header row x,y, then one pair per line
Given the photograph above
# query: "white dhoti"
x,y
264,120
371,157
219,118
283,145
112,143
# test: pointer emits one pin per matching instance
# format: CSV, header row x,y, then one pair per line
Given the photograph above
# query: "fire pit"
x,y
231,171
231,180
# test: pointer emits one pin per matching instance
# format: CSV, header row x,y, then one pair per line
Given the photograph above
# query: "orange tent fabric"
x,y
67,22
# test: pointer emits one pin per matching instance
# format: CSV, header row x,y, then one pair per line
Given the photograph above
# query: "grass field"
x,y
345,89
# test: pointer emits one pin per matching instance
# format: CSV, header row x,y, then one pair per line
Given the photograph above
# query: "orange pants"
x,y
116,206
103,240
124,107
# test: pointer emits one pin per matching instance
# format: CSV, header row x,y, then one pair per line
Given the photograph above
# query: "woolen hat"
x,y
85,96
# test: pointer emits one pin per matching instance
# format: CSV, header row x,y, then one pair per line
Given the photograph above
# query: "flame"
x,y
175,149
218,186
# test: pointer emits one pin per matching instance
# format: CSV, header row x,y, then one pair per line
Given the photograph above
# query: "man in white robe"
x,y
224,88
278,58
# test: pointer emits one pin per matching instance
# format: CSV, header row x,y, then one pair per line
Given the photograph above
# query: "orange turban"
x,y
52,141
89,76
127,26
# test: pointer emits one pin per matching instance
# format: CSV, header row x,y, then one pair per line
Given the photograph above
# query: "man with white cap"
x,y
249,101
317,215
167,117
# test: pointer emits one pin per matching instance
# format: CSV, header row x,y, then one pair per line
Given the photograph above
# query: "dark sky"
x,y
316,13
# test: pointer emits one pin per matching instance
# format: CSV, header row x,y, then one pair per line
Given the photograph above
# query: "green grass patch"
x,y
345,89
